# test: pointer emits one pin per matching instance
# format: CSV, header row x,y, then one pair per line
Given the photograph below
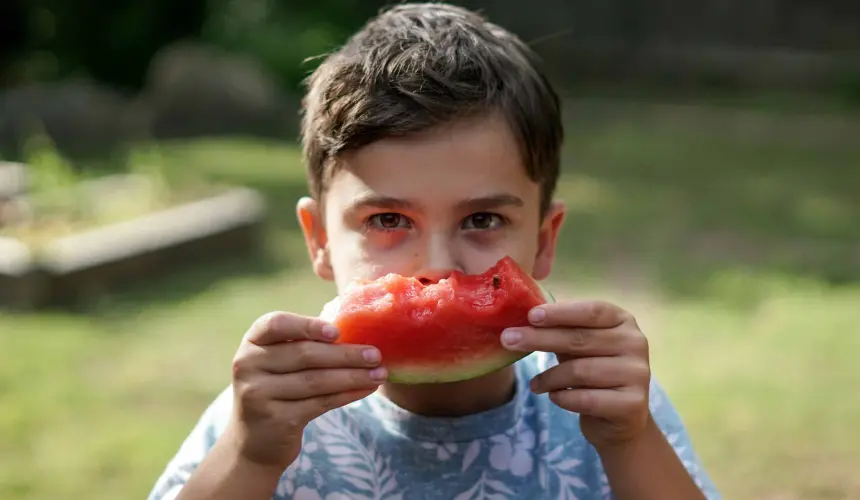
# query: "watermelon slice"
x,y
441,332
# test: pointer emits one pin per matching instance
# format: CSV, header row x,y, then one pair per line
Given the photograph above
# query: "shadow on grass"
x,y
683,195
181,286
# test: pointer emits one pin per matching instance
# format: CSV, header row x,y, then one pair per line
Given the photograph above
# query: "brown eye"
x,y
389,221
482,221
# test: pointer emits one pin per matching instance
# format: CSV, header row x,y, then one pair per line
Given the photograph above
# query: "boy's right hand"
x,y
288,372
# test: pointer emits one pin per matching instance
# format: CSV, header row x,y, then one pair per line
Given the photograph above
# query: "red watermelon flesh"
x,y
441,332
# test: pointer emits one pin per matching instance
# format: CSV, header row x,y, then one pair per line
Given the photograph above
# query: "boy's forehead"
x,y
443,188
459,152
467,160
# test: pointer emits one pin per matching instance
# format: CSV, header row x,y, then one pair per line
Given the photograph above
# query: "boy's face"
x,y
456,198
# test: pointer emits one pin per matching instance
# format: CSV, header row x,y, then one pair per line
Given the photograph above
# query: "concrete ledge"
x,y
13,180
93,262
22,283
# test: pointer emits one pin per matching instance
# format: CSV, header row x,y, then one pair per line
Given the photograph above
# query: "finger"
x,y
573,341
313,383
296,356
592,373
312,408
586,314
600,403
278,327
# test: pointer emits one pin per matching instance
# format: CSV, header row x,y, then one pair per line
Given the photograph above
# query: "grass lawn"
x,y
733,235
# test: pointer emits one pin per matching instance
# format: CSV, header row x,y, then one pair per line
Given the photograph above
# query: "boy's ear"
x,y
310,218
547,240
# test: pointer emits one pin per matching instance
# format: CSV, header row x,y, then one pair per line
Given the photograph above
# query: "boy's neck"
x,y
454,399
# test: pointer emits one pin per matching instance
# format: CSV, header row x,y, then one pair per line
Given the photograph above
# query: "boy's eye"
x,y
388,221
482,221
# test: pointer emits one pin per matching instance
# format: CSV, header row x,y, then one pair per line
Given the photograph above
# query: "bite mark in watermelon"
x,y
440,332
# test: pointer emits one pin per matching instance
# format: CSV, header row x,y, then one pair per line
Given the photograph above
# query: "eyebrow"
x,y
491,202
477,204
379,201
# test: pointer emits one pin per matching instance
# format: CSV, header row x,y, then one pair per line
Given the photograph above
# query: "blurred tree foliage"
x,y
671,43
112,41
284,34
106,40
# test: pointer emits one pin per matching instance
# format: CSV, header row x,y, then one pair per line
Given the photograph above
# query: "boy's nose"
x,y
438,263
430,276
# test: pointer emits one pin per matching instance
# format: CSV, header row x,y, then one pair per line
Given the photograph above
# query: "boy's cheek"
x,y
384,241
353,263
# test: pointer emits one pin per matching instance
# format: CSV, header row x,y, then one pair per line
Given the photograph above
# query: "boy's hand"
x,y
603,372
286,373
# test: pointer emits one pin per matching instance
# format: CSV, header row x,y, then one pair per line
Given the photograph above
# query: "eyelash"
x,y
378,227
372,222
501,221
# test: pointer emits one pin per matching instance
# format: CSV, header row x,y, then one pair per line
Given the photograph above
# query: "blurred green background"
x,y
712,172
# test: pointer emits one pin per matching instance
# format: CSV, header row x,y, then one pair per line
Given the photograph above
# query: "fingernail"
x,y
535,386
329,332
537,315
378,374
371,355
511,337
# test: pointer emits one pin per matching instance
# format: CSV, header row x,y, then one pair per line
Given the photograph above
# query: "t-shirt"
x,y
528,448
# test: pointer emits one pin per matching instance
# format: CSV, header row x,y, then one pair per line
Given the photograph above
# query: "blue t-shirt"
x,y
372,449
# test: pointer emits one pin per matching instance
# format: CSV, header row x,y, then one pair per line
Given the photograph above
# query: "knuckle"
x,y
250,395
596,311
268,322
627,317
307,328
639,344
243,362
577,339
577,372
587,401
312,381
355,356
303,353
640,399
240,368
644,372
360,378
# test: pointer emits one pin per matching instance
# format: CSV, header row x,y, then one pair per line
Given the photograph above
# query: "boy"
x,y
432,144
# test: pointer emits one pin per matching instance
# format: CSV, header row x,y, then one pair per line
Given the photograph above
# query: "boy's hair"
x,y
418,66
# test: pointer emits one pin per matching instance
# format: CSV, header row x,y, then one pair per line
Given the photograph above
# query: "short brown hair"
x,y
418,66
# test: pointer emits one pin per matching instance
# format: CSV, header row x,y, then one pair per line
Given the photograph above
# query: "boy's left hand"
x,y
603,372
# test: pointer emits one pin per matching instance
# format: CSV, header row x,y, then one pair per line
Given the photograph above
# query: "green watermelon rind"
x,y
547,295
436,374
